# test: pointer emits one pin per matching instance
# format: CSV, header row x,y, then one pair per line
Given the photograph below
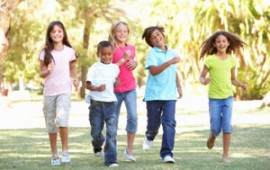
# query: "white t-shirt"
x,y
58,81
100,73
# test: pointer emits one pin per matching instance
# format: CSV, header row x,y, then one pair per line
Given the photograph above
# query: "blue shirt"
x,y
163,85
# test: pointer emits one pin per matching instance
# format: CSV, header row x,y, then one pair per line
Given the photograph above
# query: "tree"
x,y
189,23
250,20
88,13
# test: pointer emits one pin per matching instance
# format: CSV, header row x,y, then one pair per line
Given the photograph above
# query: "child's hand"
x,y
127,54
50,67
76,83
117,82
174,60
206,81
101,87
131,64
180,93
244,87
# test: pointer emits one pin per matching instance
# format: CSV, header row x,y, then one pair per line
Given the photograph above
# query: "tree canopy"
x,y
187,24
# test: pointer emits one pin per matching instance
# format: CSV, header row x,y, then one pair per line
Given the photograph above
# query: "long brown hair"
x,y
49,45
208,48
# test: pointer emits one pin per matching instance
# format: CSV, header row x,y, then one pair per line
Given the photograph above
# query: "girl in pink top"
x,y
57,65
124,55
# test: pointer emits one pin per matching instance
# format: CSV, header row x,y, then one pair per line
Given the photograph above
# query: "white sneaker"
x,y
113,165
168,159
65,159
128,156
99,154
55,160
147,145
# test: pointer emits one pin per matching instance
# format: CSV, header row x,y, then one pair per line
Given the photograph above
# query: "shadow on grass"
x,y
29,149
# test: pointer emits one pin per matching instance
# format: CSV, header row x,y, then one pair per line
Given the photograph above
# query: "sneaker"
x,y
168,159
113,165
65,157
55,160
147,145
99,154
226,160
211,141
128,156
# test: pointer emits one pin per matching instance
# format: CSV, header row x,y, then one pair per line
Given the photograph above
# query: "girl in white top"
x,y
57,65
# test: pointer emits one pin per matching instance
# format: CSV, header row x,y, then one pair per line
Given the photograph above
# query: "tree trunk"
x,y
7,8
86,35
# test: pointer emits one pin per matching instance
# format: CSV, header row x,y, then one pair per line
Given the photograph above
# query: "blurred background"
x,y
187,24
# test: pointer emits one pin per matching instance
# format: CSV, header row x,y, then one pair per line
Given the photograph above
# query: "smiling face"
x,y
57,34
157,39
105,54
121,34
221,43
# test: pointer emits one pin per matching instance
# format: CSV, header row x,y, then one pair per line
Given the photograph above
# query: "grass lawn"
x,y
28,149
24,143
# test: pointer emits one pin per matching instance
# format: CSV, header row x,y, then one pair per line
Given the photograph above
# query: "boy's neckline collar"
x,y
158,49
104,63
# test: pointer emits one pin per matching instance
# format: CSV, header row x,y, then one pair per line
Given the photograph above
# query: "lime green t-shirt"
x,y
220,73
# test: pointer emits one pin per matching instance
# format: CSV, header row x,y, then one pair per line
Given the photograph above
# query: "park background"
x,y
187,23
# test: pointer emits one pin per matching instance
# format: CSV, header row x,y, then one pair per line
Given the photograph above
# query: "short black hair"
x,y
103,44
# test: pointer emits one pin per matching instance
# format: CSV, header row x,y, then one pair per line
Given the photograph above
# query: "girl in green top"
x,y
221,67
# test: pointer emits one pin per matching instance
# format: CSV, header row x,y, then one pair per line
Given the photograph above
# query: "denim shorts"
x,y
56,111
220,111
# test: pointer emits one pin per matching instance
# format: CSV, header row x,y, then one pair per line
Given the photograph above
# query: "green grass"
x,y
28,149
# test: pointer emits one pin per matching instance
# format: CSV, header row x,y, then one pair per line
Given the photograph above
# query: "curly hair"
x,y
208,48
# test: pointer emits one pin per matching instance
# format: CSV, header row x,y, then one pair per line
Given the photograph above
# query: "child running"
x,y
101,78
126,92
57,64
221,67
161,91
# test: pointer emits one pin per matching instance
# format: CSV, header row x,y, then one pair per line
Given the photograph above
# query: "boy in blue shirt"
x,y
161,91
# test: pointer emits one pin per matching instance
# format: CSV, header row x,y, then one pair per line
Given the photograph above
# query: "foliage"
x,y
187,24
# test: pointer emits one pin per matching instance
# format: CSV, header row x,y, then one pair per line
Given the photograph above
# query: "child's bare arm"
x,y
89,86
203,78
44,70
154,70
124,59
73,72
179,87
235,82
132,64
117,82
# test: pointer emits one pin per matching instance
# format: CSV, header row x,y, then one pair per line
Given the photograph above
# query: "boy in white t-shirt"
x,y
101,79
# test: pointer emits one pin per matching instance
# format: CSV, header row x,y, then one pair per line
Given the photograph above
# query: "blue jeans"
x,y
220,111
162,112
130,99
100,113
